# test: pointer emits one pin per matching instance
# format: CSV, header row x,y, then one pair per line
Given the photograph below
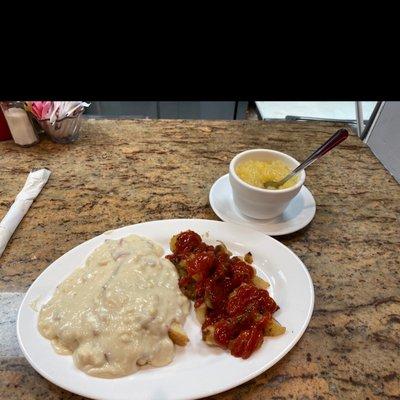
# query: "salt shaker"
x,y
19,123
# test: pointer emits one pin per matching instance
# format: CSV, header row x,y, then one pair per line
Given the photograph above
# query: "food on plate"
x,y
177,334
231,302
121,310
256,172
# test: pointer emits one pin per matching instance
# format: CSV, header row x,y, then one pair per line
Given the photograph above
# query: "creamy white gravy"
x,y
114,313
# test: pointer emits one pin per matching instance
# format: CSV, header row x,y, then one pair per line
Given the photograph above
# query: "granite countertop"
x,y
122,172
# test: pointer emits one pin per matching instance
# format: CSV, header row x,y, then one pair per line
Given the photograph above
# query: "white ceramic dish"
x,y
197,370
257,202
298,214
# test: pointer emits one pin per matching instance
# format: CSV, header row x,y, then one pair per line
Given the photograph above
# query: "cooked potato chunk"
x,y
177,334
208,335
221,248
201,313
274,328
248,257
207,301
172,243
181,268
260,283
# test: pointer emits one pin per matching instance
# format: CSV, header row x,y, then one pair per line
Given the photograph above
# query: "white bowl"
x,y
262,203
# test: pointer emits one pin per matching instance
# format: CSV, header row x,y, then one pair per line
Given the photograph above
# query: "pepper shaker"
x,y
20,124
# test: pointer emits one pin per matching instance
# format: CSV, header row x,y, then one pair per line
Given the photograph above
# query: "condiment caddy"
x,y
59,119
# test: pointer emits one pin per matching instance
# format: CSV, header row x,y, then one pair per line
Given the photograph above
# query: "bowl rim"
x,y
261,190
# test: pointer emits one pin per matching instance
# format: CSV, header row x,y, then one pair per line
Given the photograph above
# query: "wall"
x,y
384,137
208,110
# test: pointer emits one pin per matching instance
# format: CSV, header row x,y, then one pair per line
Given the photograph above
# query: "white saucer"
x,y
298,214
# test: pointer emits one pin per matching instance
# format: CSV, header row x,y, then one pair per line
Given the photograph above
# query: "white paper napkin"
x,y
33,185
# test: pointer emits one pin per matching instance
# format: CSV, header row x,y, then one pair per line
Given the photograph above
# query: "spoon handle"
x,y
332,142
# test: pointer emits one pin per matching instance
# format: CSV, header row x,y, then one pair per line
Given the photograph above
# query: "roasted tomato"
x,y
199,265
247,296
241,272
247,342
224,330
187,241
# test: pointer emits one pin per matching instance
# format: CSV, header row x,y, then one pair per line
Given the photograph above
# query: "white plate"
x,y
298,214
197,369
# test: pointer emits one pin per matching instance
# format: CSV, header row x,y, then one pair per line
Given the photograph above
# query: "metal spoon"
x,y
332,142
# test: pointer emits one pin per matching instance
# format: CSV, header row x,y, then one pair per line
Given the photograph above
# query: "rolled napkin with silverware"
x,y
33,186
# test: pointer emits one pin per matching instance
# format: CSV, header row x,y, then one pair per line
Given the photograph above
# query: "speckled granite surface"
x,y
124,172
